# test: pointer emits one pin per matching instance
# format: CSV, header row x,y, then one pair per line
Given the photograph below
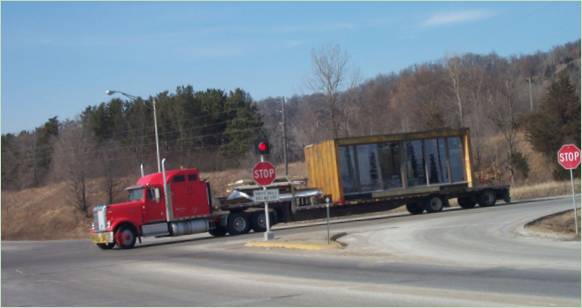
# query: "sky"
x,y
60,57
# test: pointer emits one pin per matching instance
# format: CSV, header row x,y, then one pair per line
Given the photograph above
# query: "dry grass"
x,y
559,225
546,189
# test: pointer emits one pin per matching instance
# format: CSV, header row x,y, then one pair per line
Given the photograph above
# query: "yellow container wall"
x,y
323,170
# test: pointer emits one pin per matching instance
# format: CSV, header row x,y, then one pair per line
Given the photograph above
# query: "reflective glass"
x,y
456,159
415,163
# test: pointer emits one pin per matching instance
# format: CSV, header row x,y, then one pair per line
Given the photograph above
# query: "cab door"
x,y
181,196
153,209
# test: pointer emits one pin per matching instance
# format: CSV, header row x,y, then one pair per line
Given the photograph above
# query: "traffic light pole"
x,y
268,234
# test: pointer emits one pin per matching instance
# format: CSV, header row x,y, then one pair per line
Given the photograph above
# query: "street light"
x,y
111,92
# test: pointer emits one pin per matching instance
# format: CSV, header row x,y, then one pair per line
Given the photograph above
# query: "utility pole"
x,y
285,138
530,95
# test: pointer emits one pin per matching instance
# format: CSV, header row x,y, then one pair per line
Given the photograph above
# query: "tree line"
x,y
496,97
536,96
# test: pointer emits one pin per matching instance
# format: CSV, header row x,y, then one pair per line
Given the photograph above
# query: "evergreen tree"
x,y
556,122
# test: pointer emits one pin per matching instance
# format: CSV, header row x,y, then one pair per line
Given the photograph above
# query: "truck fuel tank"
x,y
189,226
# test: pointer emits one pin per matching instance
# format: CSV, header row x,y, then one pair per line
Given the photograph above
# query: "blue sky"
x,y
58,58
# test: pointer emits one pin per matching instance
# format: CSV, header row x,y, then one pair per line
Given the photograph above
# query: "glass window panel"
x,y
443,161
347,169
436,171
456,159
390,165
415,163
368,167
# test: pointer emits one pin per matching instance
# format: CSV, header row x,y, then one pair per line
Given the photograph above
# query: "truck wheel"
x,y
218,231
434,204
106,246
487,198
414,208
258,222
466,202
125,237
238,223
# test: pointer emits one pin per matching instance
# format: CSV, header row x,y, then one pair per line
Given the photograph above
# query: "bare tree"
x,y
329,65
109,155
74,152
504,116
454,68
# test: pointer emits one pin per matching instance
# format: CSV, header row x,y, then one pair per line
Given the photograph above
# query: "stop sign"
x,y
264,173
569,156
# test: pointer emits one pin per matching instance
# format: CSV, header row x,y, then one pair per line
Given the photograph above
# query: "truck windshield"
x,y
135,194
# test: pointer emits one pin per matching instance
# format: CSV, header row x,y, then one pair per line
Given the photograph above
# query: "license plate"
x,y
102,238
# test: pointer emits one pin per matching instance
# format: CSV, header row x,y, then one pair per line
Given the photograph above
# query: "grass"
x,y
547,189
558,225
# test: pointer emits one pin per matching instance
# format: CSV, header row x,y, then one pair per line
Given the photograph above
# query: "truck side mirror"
x,y
157,194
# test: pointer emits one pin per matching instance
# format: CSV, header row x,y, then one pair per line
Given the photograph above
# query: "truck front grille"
x,y
99,218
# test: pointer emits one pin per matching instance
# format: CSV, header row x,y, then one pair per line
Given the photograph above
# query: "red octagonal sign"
x,y
569,156
264,173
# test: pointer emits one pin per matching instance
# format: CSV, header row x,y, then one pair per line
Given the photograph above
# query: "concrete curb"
x,y
294,245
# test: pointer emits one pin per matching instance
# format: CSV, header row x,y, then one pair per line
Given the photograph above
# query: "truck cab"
x,y
150,211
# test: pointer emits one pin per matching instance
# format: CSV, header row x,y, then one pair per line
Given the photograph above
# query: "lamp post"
x,y
133,97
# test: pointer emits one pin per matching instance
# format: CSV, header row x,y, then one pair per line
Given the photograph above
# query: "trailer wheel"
x,y
487,198
414,208
106,246
434,204
258,222
466,202
218,231
238,223
125,237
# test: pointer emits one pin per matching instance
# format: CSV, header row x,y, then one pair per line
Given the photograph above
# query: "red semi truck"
x,y
185,209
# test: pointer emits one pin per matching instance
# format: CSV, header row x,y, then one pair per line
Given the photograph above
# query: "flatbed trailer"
x,y
422,170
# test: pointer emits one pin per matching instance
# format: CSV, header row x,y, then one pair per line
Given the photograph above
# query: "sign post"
x,y
264,174
569,159
327,201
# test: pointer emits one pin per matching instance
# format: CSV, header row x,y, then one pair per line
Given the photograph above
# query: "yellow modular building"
x,y
375,167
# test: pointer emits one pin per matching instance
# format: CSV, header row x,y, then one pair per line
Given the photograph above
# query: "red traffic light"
x,y
263,147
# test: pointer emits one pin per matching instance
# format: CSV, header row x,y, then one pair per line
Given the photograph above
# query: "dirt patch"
x,y
559,225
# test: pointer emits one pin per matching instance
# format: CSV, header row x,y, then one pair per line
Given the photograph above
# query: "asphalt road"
x,y
456,258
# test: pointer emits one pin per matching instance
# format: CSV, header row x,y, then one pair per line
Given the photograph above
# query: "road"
x,y
455,258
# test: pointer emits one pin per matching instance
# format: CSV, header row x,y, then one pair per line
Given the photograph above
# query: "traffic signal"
x,y
263,147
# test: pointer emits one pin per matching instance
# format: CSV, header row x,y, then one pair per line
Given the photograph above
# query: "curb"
x,y
294,245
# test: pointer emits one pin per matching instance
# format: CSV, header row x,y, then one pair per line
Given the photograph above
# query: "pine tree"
x,y
556,122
